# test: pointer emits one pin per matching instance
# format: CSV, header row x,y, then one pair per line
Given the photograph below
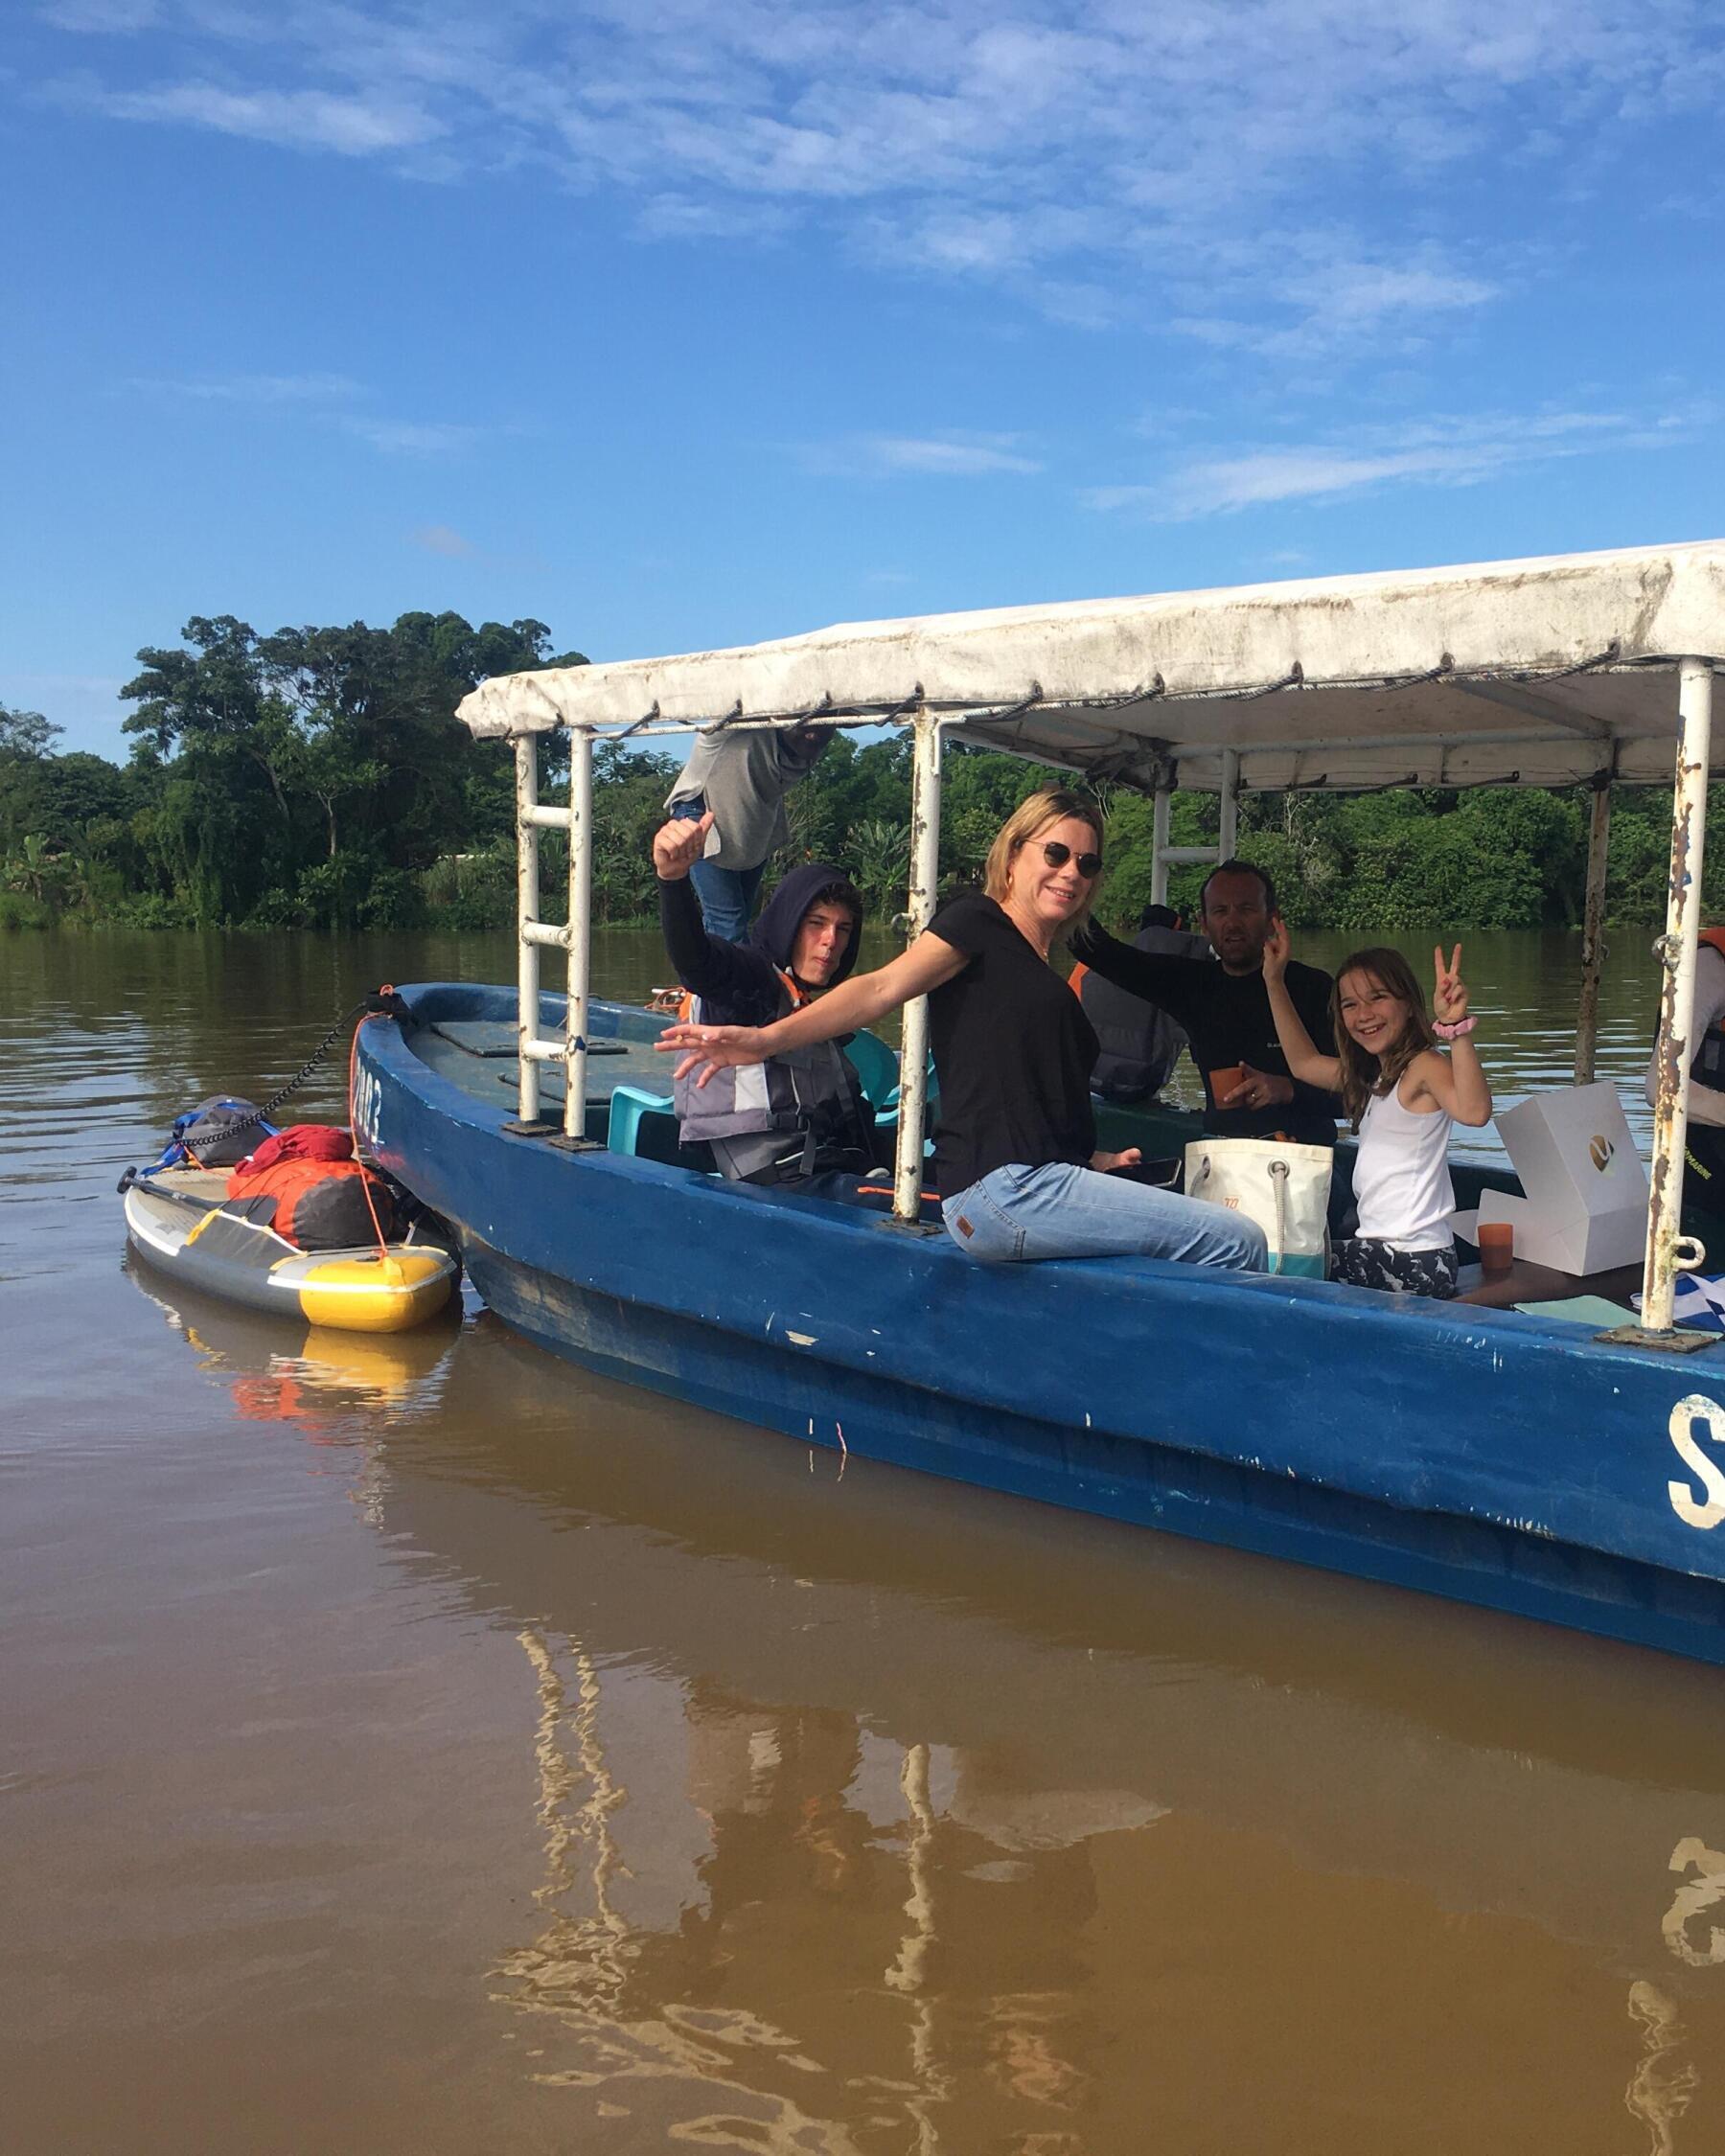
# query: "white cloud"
x,y
1439,451
1335,297
1098,160
414,438
329,400
88,705
950,456
102,16
356,127
259,389
1352,292
963,458
440,538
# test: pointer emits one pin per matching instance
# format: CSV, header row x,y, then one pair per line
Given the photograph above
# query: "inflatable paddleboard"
x,y
176,1220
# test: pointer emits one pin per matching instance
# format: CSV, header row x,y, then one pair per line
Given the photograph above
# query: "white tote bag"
x,y
1285,1188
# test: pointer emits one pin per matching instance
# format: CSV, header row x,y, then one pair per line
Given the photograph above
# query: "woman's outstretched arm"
x,y
846,1009
1304,1059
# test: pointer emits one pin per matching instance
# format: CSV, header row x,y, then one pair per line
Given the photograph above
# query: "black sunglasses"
x,y
1057,856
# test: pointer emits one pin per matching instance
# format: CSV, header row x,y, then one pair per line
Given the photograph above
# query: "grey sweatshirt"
x,y
742,777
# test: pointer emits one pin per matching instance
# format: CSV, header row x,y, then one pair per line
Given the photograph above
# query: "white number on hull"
x,y
366,1105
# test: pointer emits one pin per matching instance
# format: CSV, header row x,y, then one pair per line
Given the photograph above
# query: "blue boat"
x,y
1529,1464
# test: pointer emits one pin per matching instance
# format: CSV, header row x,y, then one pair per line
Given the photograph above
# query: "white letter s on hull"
x,y
1698,1408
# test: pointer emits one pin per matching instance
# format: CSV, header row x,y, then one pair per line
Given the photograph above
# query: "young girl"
x,y
1401,1095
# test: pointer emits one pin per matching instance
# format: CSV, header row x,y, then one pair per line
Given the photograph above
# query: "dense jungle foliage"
x,y
319,778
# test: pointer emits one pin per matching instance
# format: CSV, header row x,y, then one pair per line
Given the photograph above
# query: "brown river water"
x,y
424,1746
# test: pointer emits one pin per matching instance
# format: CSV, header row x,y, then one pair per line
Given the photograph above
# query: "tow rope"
x,y
392,1271
386,1003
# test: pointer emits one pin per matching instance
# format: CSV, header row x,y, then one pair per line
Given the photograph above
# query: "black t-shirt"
x,y
1013,1051
1227,1020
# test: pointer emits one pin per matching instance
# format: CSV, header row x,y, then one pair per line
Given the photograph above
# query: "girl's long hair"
x,y
1363,1075
1032,815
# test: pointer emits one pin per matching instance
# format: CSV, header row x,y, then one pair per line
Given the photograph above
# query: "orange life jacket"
x,y
689,1009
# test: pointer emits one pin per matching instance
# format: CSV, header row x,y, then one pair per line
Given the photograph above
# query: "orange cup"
x,y
1223,1082
1497,1246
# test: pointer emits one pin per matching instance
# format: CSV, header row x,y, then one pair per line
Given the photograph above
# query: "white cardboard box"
x,y
1586,1203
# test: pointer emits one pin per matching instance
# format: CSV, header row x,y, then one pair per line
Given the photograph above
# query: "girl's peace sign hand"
x,y
1449,991
1276,946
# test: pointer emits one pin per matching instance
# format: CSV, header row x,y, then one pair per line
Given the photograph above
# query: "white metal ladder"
x,y
532,1047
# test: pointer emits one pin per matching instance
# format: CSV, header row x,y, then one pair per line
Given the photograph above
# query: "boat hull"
x,y
1498,1460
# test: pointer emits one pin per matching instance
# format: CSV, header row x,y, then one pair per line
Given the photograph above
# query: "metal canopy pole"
x,y
527,905
581,929
1158,847
1593,925
1231,804
1667,1248
914,1047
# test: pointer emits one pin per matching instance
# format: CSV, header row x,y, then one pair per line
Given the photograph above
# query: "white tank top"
x,y
1401,1175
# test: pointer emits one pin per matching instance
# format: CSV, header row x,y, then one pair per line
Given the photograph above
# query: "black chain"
x,y
386,1004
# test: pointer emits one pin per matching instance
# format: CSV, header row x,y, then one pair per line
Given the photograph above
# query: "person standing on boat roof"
x,y
737,780
1141,1044
801,1115
1224,1010
1015,1155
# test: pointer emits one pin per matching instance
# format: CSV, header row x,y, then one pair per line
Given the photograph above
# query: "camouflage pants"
x,y
1365,1261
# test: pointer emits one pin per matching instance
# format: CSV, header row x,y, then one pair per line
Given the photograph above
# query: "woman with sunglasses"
x,y
1015,1151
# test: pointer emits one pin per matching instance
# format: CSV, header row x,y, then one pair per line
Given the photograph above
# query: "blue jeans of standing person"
x,y
727,895
1060,1212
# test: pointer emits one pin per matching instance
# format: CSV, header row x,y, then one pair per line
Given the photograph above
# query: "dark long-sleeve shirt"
x,y
739,984
736,982
1228,1021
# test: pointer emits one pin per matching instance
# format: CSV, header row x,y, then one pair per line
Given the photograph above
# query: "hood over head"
x,y
775,931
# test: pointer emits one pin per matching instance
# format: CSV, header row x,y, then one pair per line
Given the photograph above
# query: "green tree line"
x,y
319,778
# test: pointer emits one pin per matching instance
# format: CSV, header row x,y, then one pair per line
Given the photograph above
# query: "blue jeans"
x,y
1062,1211
727,895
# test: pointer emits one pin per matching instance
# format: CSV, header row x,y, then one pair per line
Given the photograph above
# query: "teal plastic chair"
x,y
629,1106
878,1067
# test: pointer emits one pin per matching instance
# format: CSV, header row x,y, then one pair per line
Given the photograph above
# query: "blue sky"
x,y
676,323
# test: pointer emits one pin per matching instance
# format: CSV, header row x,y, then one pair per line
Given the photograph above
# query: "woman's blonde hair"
x,y
1363,1075
1032,815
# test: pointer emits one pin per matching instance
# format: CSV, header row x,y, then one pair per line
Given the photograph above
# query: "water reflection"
x,y
1664,2082
313,1377
946,2000
910,1843
1691,1854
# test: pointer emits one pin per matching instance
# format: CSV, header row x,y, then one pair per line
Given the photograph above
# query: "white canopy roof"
x,y
1539,672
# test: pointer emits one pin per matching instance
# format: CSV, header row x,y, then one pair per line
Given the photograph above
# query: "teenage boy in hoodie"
x,y
797,1117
